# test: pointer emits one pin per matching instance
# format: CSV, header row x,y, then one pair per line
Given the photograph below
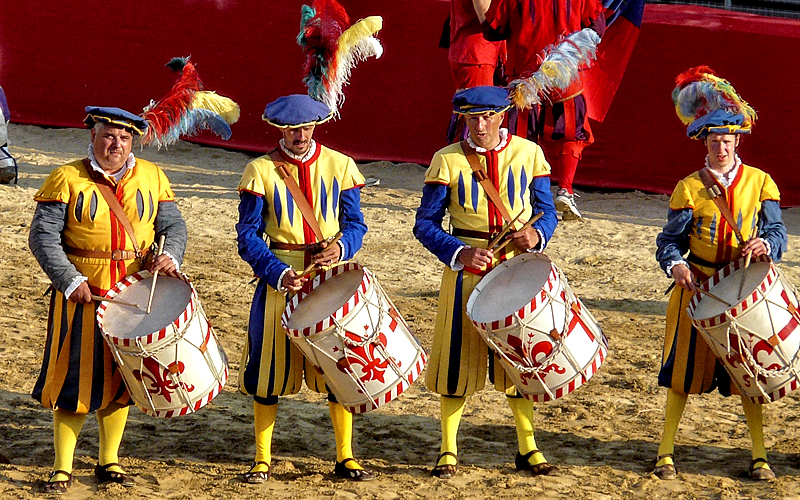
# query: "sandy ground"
x,y
603,436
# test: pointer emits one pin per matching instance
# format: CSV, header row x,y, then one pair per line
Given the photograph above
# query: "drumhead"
x,y
508,287
170,299
325,299
728,290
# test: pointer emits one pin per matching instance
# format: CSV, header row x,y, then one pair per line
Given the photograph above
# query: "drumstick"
x,y
744,271
311,266
114,301
715,297
155,274
504,230
524,227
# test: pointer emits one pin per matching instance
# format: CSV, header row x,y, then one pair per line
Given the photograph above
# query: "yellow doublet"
x,y
90,223
712,238
329,175
518,163
459,358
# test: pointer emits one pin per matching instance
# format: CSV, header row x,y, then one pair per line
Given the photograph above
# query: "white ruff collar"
x,y
503,142
309,154
728,177
117,176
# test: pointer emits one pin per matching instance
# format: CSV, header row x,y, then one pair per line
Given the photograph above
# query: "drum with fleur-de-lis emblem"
x,y
169,358
345,324
547,341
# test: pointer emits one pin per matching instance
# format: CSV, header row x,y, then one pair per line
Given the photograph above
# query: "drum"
x,y
346,326
547,341
170,359
755,336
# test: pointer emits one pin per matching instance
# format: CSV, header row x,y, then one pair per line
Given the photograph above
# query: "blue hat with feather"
x,y
296,110
115,116
481,99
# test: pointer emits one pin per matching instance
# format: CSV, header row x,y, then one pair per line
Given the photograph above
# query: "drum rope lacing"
x,y
753,367
349,344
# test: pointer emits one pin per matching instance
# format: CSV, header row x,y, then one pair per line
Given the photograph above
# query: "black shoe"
x,y
445,471
104,475
258,477
58,487
341,470
542,469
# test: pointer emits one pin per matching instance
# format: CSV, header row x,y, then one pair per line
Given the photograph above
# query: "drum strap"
x,y
718,196
116,208
299,198
486,183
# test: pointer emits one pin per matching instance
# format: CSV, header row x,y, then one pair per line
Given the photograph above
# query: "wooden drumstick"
x,y
114,301
524,227
744,270
505,230
155,274
313,265
715,297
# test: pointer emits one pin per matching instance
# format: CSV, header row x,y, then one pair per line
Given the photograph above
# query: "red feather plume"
x,y
693,75
169,110
319,39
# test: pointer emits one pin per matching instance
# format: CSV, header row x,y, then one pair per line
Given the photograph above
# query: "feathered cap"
x,y
480,100
188,109
115,116
709,104
332,48
560,65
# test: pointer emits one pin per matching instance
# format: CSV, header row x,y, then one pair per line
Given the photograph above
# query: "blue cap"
x,y
719,121
481,99
296,110
115,116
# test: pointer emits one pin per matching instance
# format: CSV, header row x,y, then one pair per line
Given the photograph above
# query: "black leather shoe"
x,y
341,470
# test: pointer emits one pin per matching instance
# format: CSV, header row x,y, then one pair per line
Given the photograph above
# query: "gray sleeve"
x,y
44,241
170,223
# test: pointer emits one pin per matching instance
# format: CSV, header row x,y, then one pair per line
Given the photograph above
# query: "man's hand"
x,y
82,294
684,277
292,281
756,246
527,239
475,258
330,254
163,264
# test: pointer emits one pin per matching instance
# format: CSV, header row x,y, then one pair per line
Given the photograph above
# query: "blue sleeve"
x,y
170,223
351,222
771,228
542,201
428,224
673,241
252,247
44,241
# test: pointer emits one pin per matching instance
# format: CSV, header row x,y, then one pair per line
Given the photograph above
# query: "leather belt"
x,y
101,254
480,235
312,248
693,259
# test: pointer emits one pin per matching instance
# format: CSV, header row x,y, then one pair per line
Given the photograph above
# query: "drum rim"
x,y
747,302
530,307
177,324
341,312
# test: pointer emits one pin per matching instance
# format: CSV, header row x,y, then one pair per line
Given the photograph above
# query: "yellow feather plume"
x,y
221,105
358,31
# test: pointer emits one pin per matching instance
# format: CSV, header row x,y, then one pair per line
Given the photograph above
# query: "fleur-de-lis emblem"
x,y
160,383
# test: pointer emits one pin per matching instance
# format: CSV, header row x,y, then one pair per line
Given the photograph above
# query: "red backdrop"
x,y
57,57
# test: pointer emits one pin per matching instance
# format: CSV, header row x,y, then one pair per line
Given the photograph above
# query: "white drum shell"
x,y
177,368
332,325
758,338
548,342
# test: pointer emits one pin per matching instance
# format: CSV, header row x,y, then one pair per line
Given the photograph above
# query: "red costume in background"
x,y
561,126
473,58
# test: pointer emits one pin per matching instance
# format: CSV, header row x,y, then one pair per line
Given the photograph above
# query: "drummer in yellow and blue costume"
x,y
696,225
518,170
331,182
84,250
